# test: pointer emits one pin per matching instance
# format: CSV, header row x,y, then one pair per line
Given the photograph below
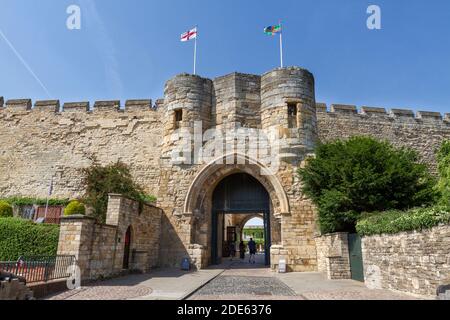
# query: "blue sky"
x,y
128,49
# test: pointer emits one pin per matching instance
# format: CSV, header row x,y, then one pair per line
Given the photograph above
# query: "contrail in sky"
x,y
25,64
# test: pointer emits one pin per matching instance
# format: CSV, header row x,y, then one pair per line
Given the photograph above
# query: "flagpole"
x,y
281,45
195,50
48,196
195,56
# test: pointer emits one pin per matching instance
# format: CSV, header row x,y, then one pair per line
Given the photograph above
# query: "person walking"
x,y
242,250
252,249
232,247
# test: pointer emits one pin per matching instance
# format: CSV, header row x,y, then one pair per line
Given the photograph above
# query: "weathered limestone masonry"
x,y
416,262
333,256
43,142
99,248
423,132
57,140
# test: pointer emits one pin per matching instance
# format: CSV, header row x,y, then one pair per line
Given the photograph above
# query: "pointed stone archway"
x,y
199,205
213,172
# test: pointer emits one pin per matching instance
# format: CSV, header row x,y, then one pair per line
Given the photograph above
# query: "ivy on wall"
x,y
29,201
394,221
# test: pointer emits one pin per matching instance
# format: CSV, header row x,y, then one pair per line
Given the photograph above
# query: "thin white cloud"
x,y
103,44
25,64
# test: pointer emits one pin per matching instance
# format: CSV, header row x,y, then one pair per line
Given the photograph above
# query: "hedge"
x,y
20,237
395,221
28,201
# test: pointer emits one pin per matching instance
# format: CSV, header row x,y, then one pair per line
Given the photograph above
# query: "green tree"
x,y
349,177
103,180
443,185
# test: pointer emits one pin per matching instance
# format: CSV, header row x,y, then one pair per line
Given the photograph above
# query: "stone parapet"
x,y
423,131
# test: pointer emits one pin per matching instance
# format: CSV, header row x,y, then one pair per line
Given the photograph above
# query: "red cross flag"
x,y
191,34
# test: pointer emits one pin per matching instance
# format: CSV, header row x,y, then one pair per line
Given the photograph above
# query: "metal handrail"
x,y
40,268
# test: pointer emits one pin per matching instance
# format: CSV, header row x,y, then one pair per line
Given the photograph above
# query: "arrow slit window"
x,y
178,117
292,115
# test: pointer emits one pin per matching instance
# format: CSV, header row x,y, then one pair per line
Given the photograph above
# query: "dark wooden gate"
x,y
240,194
126,253
356,260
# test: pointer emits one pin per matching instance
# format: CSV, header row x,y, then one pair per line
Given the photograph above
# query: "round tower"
x,y
187,103
288,110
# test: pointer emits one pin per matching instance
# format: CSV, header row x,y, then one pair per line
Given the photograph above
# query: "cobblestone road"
x,y
239,285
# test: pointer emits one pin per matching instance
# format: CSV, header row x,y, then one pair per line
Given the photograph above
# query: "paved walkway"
x,y
165,284
316,286
242,281
233,280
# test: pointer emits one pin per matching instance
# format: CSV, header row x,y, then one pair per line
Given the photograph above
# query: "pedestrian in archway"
x,y
232,247
252,249
242,250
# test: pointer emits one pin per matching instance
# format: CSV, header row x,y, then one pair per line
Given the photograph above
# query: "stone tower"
x,y
187,99
288,107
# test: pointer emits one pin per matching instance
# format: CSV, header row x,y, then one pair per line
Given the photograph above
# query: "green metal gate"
x,y
356,260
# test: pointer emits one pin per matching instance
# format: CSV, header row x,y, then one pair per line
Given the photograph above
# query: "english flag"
x,y
191,34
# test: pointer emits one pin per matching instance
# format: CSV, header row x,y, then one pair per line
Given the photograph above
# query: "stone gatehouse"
x,y
53,140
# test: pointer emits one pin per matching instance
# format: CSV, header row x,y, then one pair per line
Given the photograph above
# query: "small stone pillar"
x,y
75,238
333,255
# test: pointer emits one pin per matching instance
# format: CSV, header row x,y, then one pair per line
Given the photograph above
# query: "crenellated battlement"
x,y
406,115
55,106
19,104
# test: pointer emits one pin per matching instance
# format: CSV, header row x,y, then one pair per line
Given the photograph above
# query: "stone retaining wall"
x,y
416,262
99,248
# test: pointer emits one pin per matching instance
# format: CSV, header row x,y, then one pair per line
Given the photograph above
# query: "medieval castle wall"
x,y
422,131
52,140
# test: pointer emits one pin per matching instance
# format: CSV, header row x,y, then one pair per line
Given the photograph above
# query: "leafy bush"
x,y
395,221
443,186
101,181
362,174
19,237
28,201
5,209
146,198
74,207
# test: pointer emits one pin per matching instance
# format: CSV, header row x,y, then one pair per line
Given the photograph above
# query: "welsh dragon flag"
x,y
272,30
